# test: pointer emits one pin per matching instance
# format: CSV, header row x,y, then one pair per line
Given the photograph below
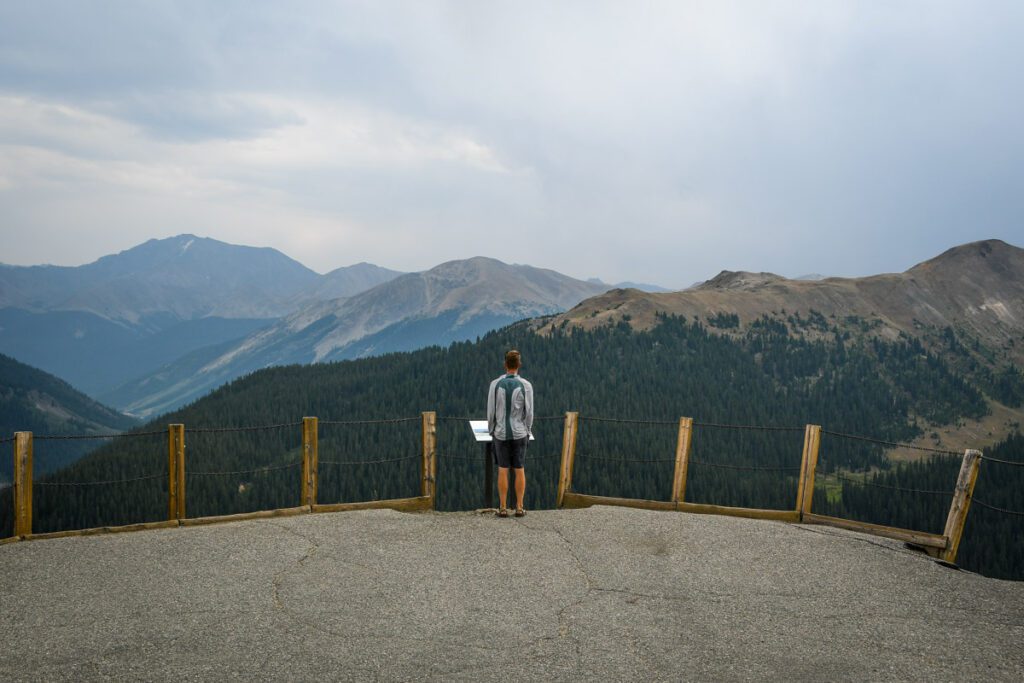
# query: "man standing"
x,y
509,421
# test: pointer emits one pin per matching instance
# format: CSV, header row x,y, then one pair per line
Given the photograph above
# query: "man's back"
x,y
510,407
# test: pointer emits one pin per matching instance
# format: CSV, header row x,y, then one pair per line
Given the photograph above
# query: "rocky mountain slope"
x,y
976,289
966,304
454,301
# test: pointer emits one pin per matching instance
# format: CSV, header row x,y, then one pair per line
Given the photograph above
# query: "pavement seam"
x,y
563,627
279,576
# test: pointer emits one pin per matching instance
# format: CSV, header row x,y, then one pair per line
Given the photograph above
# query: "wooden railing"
x,y
944,546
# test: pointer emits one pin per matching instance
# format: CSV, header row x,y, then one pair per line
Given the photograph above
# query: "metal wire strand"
x,y
601,457
886,486
226,430
892,444
1012,463
8,439
78,437
1015,513
744,467
457,418
258,470
367,462
613,420
98,483
370,422
760,428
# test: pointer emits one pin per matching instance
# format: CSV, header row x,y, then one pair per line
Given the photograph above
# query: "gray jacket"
x,y
510,408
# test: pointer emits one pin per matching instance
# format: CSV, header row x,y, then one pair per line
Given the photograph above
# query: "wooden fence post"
x,y
961,503
568,456
176,471
805,490
310,461
429,480
22,483
682,459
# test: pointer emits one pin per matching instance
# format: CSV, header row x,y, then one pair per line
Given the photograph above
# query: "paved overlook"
x,y
602,594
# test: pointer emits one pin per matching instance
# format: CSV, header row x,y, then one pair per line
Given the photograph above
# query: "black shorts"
x,y
510,453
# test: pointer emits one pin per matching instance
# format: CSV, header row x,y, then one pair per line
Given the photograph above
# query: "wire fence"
x,y
257,470
88,437
384,421
747,468
1011,463
750,448
345,463
617,458
891,444
104,482
235,430
1013,513
903,489
756,428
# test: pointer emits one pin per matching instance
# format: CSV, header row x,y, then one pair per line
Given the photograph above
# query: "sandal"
x,y
520,512
502,512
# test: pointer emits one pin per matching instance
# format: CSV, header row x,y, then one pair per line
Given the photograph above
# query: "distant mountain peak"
x,y
730,279
973,253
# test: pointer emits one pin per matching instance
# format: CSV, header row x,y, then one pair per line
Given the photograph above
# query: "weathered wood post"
x,y
682,459
176,471
568,456
805,491
310,461
22,483
429,480
961,503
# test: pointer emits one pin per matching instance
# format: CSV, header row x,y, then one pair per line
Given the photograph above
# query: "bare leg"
x,y
502,486
520,487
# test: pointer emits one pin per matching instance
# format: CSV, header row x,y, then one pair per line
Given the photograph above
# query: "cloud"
x,y
651,141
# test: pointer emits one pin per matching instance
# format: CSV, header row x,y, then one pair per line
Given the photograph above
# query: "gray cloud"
x,y
642,141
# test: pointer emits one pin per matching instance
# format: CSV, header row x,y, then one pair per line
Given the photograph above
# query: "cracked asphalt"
x,y
604,594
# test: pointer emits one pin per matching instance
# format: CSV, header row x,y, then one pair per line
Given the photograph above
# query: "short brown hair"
x,y
512,360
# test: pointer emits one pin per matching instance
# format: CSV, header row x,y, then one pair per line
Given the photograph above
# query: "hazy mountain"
x,y
344,282
629,285
186,277
454,301
127,314
34,401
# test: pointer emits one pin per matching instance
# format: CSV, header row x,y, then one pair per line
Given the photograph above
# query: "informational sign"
x,y
480,432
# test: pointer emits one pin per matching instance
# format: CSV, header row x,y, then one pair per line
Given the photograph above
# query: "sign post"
x,y
480,433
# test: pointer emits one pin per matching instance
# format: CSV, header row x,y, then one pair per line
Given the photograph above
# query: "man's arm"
x,y
491,422
528,405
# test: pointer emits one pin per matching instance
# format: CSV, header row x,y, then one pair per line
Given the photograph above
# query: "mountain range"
x,y
965,305
975,289
125,315
155,326
454,301
159,325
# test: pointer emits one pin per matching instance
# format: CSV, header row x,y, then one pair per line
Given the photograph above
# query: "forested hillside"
x,y
34,401
766,378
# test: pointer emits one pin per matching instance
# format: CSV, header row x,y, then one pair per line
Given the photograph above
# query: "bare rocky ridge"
x,y
976,290
605,594
976,287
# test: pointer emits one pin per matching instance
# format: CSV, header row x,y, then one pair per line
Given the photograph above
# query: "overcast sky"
x,y
654,142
